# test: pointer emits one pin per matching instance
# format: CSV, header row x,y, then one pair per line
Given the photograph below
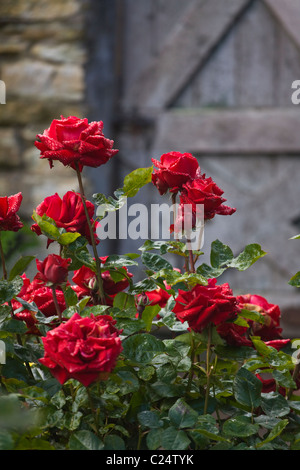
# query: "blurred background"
x,y
210,77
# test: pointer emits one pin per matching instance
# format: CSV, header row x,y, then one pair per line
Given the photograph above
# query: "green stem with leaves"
x,y
208,368
97,261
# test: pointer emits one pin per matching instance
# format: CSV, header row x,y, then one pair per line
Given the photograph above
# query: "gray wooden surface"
x,y
214,77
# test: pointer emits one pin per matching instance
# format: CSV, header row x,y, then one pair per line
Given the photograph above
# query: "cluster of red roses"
x,y
216,304
82,348
87,348
180,173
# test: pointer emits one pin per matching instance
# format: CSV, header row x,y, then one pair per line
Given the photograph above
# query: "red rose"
x,y
174,169
67,213
53,269
234,335
9,219
84,349
203,305
271,329
269,332
270,385
74,141
204,191
158,297
86,283
39,294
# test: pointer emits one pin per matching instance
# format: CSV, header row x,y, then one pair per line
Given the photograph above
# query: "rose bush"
x,y
99,359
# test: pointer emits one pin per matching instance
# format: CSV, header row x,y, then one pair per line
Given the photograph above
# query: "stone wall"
x,y
42,62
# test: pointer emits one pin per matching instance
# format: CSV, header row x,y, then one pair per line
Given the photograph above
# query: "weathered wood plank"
x,y
287,70
255,57
214,84
222,131
188,45
288,13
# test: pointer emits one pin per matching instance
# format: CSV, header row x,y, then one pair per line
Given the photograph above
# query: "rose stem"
x,y
3,260
191,257
95,415
56,303
186,261
208,369
5,273
191,372
98,265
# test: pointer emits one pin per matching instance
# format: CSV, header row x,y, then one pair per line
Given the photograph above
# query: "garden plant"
x,y
93,359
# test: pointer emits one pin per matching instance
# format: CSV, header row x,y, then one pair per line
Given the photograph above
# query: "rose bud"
x,y
9,219
53,269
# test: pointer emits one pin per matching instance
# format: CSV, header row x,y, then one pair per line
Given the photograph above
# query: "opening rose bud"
x,y
53,269
9,219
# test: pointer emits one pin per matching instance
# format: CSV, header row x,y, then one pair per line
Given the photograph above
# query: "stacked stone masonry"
x,y
42,63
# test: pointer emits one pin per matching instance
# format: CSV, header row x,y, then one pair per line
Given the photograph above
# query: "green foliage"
x,y
171,388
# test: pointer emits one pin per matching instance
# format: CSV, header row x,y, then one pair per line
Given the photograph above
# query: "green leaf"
x,y
155,262
207,426
247,388
252,315
85,440
220,254
168,390
94,310
114,442
136,180
153,439
149,313
47,226
20,266
108,204
284,379
123,301
142,348
162,246
68,237
208,272
261,347
174,439
13,326
123,382
182,415
80,255
150,419
118,261
143,286
239,426
9,289
70,296
274,404
276,431
295,280
246,258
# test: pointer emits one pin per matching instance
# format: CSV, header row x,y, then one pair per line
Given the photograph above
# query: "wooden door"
x,y
213,78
